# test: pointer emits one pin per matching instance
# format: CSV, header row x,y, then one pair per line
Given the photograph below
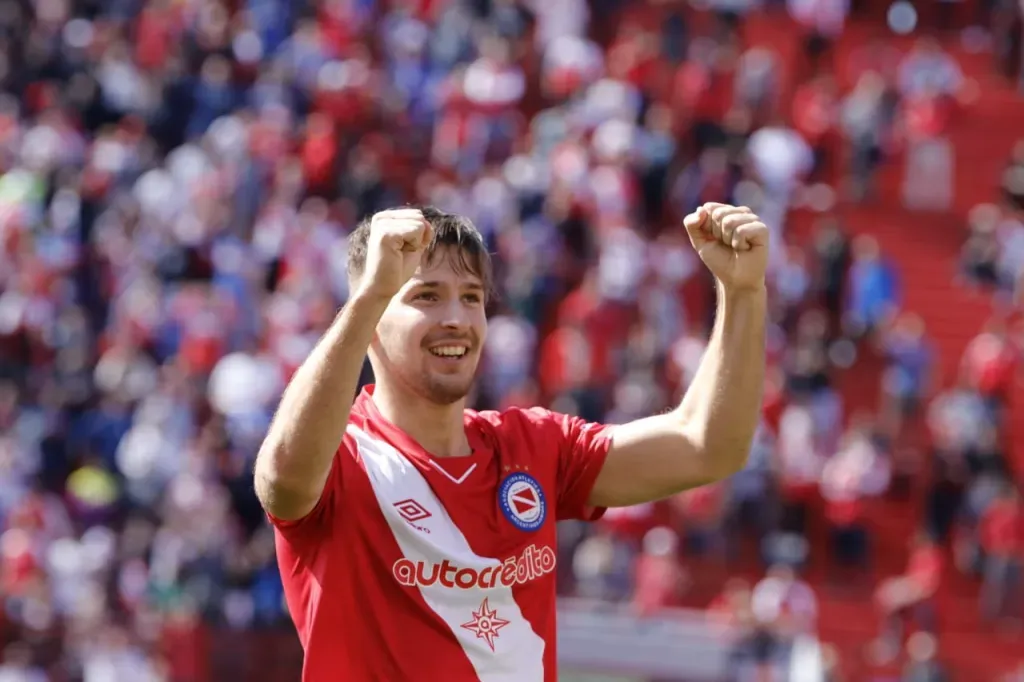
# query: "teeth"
x,y
449,351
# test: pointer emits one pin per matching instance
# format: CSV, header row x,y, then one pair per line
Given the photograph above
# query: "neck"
x,y
439,429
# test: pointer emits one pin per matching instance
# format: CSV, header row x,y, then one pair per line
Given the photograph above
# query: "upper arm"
x,y
650,459
296,514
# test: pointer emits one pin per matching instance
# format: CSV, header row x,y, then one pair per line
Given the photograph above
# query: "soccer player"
x,y
416,538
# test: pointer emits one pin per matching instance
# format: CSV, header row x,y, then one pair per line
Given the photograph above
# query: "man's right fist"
x,y
398,238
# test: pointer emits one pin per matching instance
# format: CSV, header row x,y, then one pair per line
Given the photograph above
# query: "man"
x,y
416,539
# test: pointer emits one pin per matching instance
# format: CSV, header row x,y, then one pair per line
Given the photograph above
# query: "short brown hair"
x,y
450,230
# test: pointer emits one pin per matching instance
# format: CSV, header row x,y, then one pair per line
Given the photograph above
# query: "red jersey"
x,y
925,567
1002,528
412,567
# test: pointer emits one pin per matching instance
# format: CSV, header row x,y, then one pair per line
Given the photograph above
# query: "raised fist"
x,y
732,242
398,238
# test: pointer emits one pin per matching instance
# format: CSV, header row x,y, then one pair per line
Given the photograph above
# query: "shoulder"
x,y
537,419
528,421
535,427
514,415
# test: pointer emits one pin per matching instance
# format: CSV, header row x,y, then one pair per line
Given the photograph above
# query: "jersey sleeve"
x,y
317,523
582,447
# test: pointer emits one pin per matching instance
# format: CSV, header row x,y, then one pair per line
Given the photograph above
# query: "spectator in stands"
x,y
709,174
16,665
602,568
1007,25
909,596
1002,541
832,260
685,355
958,418
112,655
947,480
751,502
729,608
875,55
731,615
1010,265
511,347
866,118
908,377
729,15
660,578
630,525
988,456
702,93
815,114
831,664
928,70
990,365
923,664
822,22
855,472
757,82
780,159
784,603
806,359
790,283
798,468
872,290
1013,178
701,514
929,160
979,258
656,150
982,491
756,653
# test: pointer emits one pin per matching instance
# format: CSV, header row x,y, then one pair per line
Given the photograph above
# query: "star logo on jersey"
x,y
485,624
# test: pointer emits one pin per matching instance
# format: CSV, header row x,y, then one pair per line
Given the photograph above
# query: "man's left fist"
x,y
732,242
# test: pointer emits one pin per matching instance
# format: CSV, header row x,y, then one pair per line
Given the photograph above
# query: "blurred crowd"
x,y
178,180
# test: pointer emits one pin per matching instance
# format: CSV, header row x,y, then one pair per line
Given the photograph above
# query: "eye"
x,y
472,298
426,296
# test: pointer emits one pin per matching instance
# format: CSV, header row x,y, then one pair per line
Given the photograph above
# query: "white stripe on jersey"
x,y
518,654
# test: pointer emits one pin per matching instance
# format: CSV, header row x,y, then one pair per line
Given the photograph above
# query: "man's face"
x,y
430,337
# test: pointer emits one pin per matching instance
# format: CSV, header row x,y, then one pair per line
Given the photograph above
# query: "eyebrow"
x,y
432,284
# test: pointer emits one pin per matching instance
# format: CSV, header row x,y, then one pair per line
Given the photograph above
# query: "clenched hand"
x,y
398,239
732,242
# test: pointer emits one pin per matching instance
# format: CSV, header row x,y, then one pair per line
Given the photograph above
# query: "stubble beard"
x,y
446,391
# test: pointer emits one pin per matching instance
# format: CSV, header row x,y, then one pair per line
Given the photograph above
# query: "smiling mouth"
x,y
449,352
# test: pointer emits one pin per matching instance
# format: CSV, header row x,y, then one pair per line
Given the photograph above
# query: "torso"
x,y
430,569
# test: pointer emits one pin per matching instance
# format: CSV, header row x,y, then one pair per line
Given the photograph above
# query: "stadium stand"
x,y
178,178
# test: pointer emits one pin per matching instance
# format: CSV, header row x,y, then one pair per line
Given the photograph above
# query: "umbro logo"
x,y
412,511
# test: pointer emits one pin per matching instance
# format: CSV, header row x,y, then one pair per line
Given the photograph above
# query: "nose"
x,y
455,316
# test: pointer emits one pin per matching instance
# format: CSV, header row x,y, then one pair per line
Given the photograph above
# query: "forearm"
x,y
295,459
721,408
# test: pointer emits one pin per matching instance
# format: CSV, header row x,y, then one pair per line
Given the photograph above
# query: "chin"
x,y
447,392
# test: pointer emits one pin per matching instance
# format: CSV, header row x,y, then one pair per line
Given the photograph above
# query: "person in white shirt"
x,y
17,665
785,602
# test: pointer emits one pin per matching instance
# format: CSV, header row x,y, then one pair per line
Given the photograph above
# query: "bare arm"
x,y
708,436
295,459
